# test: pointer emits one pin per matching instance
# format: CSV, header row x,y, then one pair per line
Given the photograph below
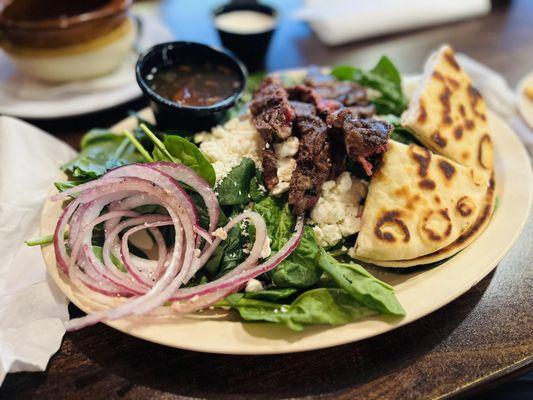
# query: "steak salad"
x,y
274,212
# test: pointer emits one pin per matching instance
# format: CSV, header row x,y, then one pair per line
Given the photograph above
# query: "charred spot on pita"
x,y
485,153
402,192
454,83
437,75
447,119
473,94
391,220
439,140
458,133
465,206
451,60
444,98
447,169
422,157
422,117
427,184
437,225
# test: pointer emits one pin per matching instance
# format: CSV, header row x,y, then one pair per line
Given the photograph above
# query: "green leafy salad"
x,y
314,284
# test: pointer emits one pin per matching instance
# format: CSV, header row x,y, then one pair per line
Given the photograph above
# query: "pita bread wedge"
x,y
421,208
448,115
462,241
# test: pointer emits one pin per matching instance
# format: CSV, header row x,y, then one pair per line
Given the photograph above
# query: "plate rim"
x,y
390,323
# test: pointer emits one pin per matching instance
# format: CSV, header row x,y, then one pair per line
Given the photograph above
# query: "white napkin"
x,y
498,95
341,21
32,309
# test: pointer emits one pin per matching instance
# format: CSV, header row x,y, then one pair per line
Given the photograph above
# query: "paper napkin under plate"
x,y
32,309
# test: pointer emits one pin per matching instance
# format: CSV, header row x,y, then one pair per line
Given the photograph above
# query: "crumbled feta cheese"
x,y
266,250
287,148
286,163
253,285
337,212
280,188
220,233
225,146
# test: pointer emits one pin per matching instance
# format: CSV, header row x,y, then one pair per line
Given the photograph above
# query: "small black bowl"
x,y
251,48
171,115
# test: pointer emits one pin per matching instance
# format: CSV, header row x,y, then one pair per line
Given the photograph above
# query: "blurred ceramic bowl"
x,y
66,40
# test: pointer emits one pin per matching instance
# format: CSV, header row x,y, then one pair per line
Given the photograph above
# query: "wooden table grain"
x,y
479,340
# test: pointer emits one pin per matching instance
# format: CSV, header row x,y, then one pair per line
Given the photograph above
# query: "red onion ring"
x,y
148,284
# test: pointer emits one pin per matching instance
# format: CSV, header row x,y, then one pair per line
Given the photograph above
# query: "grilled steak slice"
x,y
326,107
363,138
313,164
307,94
270,168
331,95
338,153
346,92
363,111
303,109
272,114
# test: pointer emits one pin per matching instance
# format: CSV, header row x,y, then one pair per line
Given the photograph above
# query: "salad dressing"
x,y
197,85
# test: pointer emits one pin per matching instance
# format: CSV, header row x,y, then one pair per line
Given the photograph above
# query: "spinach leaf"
x,y
361,285
203,214
278,218
101,150
383,78
180,150
258,191
229,254
404,136
317,306
234,189
64,185
299,269
273,295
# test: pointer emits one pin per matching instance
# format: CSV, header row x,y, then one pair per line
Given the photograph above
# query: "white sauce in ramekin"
x,y
245,22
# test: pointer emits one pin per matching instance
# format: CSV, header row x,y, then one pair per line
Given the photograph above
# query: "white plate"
x,y
24,97
419,292
525,104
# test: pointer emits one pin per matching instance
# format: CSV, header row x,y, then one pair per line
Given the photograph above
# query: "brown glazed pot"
x,y
49,24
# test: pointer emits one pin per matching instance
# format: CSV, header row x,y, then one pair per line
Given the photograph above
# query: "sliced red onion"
x,y
184,174
126,256
148,284
236,278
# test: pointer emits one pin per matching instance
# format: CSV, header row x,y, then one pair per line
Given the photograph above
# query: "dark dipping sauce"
x,y
194,85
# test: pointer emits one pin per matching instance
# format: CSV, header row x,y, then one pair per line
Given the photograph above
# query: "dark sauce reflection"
x,y
194,85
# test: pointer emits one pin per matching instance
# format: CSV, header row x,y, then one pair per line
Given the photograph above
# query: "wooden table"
x,y
476,342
